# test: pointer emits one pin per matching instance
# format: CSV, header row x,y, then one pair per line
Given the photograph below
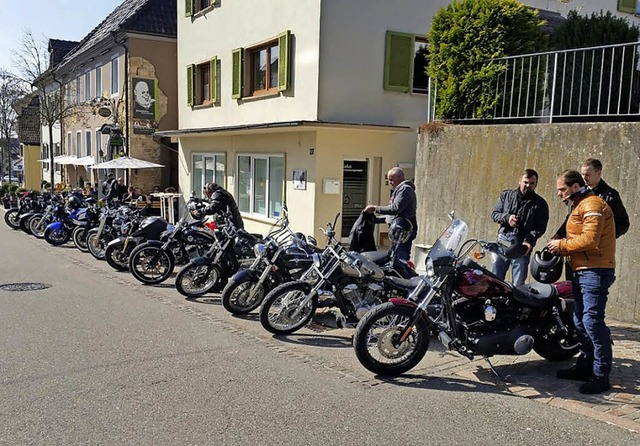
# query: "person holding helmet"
x,y
523,216
590,245
221,200
402,205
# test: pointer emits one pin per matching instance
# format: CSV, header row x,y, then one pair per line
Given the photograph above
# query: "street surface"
x,y
98,358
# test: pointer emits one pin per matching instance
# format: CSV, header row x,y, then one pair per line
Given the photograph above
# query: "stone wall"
x,y
464,168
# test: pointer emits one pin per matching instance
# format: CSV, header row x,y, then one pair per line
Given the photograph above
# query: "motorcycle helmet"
x,y
74,202
400,230
546,267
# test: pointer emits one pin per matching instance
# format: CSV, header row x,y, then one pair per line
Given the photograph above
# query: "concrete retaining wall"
x,y
464,168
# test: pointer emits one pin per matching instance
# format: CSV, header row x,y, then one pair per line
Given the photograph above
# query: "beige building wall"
x,y
32,168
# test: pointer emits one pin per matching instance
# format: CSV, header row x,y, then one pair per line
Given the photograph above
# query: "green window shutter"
x,y
190,91
237,57
188,8
283,60
627,6
214,81
398,60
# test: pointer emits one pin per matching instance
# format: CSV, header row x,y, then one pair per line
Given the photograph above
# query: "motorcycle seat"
x,y
404,284
537,295
377,257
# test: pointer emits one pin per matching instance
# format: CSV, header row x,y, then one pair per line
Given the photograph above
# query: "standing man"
x,y
403,204
523,216
590,245
118,190
222,200
591,171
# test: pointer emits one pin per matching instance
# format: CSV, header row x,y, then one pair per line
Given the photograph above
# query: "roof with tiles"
x,y
156,17
58,49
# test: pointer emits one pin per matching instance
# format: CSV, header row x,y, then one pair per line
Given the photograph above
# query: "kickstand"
x,y
495,372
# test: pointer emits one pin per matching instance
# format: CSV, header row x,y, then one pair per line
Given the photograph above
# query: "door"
x,y
355,176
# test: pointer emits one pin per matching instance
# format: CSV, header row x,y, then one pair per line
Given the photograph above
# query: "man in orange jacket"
x,y
590,245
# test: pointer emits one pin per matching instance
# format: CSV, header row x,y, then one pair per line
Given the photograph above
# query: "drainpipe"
x,y
126,96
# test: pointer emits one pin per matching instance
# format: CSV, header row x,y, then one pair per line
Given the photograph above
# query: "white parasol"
x,y
126,162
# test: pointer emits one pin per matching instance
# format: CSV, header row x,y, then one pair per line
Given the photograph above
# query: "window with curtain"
x,y
260,180
206,168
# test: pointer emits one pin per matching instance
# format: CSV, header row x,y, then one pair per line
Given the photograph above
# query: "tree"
x,y
594,30
463,39
11,90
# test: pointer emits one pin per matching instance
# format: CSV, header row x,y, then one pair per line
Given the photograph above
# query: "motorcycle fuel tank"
x,y
197,237
476,282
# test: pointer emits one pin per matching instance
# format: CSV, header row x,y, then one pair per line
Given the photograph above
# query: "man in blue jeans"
x,y
523,216
590,245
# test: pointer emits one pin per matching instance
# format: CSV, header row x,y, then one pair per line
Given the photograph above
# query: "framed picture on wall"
x,y
300,179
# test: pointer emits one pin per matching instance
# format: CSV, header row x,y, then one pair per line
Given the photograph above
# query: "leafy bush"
x,y
594,30
463,37
3,189
12,188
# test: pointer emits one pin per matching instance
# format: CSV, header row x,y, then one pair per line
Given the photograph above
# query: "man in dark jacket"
x,y
523,216
118,190
403,204
221,200
592,174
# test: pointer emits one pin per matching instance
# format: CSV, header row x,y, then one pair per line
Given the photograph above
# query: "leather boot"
x,y
595,384
581,371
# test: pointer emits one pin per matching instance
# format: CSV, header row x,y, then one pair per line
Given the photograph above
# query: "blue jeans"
x,y
590,291
403,252
519,268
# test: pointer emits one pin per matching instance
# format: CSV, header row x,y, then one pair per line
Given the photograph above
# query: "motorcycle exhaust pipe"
x,y
445,339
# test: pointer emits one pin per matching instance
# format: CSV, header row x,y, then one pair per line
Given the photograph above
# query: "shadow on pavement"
x,y
316,340
441,383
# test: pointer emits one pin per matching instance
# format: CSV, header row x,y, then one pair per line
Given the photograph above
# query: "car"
x,y
6,179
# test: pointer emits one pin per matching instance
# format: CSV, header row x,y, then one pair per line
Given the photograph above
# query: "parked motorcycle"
x,y
352,282
481,314
281,257
12,216
85,222
64,221
110,220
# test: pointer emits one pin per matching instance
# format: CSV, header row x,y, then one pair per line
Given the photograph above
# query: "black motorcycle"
x,y
110,222
25,205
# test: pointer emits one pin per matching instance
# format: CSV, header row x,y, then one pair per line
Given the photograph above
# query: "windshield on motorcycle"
x,y
450,241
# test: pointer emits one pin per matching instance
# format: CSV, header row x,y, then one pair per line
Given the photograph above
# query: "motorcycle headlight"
x,y
429,267
317,260
259,249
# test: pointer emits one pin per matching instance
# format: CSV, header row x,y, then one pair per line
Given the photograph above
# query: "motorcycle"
x,y
110,223
352,282
84,224
231,249
25,204
281,257
481,314
64,222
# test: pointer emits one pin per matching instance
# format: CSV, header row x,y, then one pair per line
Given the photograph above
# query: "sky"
x,y
55,19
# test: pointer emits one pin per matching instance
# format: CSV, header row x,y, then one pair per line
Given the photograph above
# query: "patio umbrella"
x,y
126,162
85,161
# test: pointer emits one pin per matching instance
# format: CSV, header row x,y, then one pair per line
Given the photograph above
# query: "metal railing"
x,y
583,84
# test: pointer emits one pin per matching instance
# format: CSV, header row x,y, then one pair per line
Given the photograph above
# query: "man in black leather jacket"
x,y
523,216
591,171
221,200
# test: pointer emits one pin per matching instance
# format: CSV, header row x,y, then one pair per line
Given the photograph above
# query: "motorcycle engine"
x,y
362,300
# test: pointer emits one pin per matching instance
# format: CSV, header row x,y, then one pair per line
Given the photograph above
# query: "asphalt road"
x,y
97,358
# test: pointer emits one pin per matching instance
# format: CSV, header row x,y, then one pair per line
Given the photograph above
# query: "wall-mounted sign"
x,y
145,106
105,112
330,186
300,179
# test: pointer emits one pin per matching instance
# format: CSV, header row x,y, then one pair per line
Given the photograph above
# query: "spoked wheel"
x,y
57,237
242,297
558,346
11,219
197,280
37,226
150,264
23,223
97,246
117,256
79,237
282,311
377,340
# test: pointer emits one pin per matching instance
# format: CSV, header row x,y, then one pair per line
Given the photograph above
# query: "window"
x,y
115,86
206,168
69,145
98,143
87,86
630,6
266,71
195,6
203,83
98,91
56,152
44,155
87,136
78,144
78,91
405,63
69,94
261,184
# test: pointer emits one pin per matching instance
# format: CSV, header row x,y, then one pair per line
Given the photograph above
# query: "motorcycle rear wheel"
x,y
57,237
150,264
279,306
236,296
197,280
23,223
559,347
11,219
376,336
117,256
79,238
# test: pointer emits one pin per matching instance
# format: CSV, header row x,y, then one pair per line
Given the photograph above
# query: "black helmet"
x,y
74,202
400,230
546,267
512,248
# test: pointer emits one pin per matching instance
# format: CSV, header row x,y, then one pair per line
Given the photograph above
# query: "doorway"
x,y
355,176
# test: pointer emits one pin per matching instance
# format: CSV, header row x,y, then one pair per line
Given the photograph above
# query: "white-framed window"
x,y
98,142
87,86
98,76
260,184
87,142
56,152
207,168
78,144
69,144
44,155
115,80
78,91
69,88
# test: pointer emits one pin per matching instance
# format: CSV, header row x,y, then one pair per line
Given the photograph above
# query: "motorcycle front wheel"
x,y
243,296
23,223
150,264
37,226
197,280
117,256
11,219
79,238
57,237
97,245
278,312
376,340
